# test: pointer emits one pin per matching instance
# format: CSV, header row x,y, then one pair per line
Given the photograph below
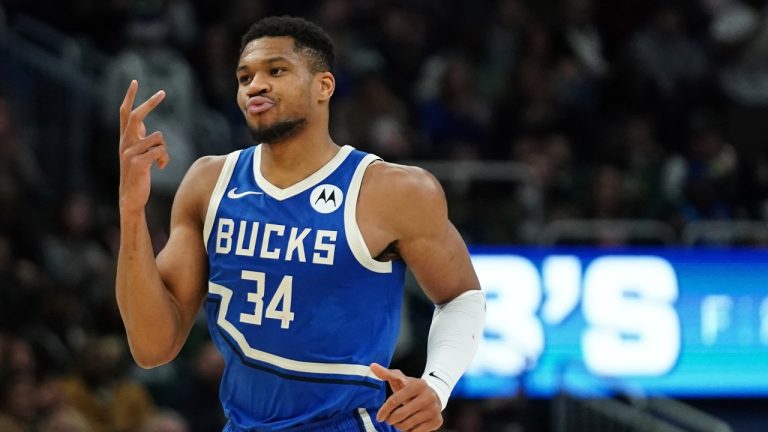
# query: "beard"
x,y
278,131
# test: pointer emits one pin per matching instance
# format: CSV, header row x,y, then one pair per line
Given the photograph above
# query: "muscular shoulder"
x,y
406,199
206,170
402,183
197,186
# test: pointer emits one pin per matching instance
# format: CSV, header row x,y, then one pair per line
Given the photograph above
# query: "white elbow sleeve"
x,y
453,340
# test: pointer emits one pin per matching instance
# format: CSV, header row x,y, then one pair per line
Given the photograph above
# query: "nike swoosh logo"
x,y
432,374
234,194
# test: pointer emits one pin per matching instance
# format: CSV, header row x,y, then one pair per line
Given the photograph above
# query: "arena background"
x,y
626,136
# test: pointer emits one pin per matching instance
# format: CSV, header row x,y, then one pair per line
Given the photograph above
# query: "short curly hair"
x,y
307,37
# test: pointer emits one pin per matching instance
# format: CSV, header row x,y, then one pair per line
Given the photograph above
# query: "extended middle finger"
x,y
125,107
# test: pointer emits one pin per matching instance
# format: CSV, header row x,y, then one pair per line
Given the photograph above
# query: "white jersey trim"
x,y
366,418
218,193
293,190
354,236
281,362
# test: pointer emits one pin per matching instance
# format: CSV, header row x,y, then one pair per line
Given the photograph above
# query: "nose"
x,y
258,86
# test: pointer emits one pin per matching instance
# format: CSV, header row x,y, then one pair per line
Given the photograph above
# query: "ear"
x,y
327,85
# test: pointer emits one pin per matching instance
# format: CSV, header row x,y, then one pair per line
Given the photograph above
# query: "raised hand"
x,y
137,150
413,406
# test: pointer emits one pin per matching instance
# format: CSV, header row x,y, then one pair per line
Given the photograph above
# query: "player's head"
x,y
307,37
284,77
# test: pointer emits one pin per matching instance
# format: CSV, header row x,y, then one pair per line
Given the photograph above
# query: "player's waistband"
x,y
360,420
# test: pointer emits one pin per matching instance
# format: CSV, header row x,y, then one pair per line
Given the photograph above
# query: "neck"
x,y
288,162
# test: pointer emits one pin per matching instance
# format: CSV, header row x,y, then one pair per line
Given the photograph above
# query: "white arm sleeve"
x,y
453,339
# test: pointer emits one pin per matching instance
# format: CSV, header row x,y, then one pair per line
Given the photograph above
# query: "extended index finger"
x,y
138,114
389,375
127,105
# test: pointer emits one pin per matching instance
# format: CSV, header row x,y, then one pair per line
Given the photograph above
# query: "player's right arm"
x,y
158,297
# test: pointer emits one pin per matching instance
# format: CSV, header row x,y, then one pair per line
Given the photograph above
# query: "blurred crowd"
x,y
619,109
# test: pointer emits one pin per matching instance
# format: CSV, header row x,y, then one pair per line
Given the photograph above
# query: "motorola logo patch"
x,y
326,198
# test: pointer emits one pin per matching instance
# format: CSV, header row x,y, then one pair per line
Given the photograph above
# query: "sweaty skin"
x,y
159,297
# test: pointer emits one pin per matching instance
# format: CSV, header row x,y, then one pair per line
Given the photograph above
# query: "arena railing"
x,y
681,414
497,202
725,233
622,232
43,65
459,173
573,414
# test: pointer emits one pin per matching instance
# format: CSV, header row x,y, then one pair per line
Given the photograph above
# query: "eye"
x,y
276,71
244,79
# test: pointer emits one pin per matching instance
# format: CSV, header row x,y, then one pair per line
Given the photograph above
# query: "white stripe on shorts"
x,y
366,420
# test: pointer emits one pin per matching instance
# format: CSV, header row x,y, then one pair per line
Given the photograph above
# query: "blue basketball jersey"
x,y
296,304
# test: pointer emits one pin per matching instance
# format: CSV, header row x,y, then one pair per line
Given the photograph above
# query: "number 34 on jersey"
x,y
279,306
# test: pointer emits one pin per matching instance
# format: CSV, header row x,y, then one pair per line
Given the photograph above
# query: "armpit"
x,y
390,253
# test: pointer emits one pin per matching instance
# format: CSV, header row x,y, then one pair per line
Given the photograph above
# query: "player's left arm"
x,y
438,258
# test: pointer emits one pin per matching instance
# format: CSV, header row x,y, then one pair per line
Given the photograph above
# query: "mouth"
x,y
259,104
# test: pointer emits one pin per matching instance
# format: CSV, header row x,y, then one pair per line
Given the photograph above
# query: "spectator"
x,y
530,105
65,419
166,421
666,55
702,184
18,164
19,287
550,157
71,254
22,185
100,390
199,401
375,120
644,159
609,197
455,120
670,73
503,45
740,34
74,257
18,404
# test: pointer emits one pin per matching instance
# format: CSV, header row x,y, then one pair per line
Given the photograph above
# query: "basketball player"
x,y
297,248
